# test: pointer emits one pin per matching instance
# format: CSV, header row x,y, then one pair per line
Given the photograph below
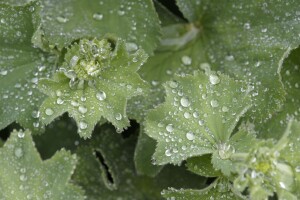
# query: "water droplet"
x,y
61,19
121,12
184,102
2,21
83,125
74,61
264,30
282,185
225,109
49,111
169,128
18,152
21,134
247,26
214,79
168,152
58,93
82,109
187,115
173,84
97,16
74,103
3,72
83,98
31,8
297,169
229,58
201,122
190,135
35,114
186,60
118,116
130,46
59,101
214,103
23,177
101,95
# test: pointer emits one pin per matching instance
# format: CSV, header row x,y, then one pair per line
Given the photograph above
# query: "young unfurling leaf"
x,y
96,80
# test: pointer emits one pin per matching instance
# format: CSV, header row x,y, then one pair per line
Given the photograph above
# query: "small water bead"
x,y
130,46
61,19
18,152
74,61
2,21
21,134
214,79
195,114
97,16
184,102
264,30
74,103
187,115
169,128
3,72
190,135
59,101
36,124
121,12
23,177
168,152
35,114
49,111
225,109
118,116
186,60
173,84
297,169
247,26
58,93
214,103
201,122
83,125
82,109
83,98
101,95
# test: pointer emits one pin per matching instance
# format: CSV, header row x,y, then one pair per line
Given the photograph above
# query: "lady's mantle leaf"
x,y
220,189
246,39
133,20
21,66
110,153
24,175
198,116
95,81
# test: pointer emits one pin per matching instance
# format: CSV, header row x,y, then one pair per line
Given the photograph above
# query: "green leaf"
x,y
220,189
134,21
144,150
110,155
290,77
198,116
21,66
25,175
247,40
94,84
202,166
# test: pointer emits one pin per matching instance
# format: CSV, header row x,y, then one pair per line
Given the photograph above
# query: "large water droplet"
x,y
184,102
169,127
74,61
82,109
118,116
190,135
83,125
225,109
49,111
214,79
168,152
101,95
